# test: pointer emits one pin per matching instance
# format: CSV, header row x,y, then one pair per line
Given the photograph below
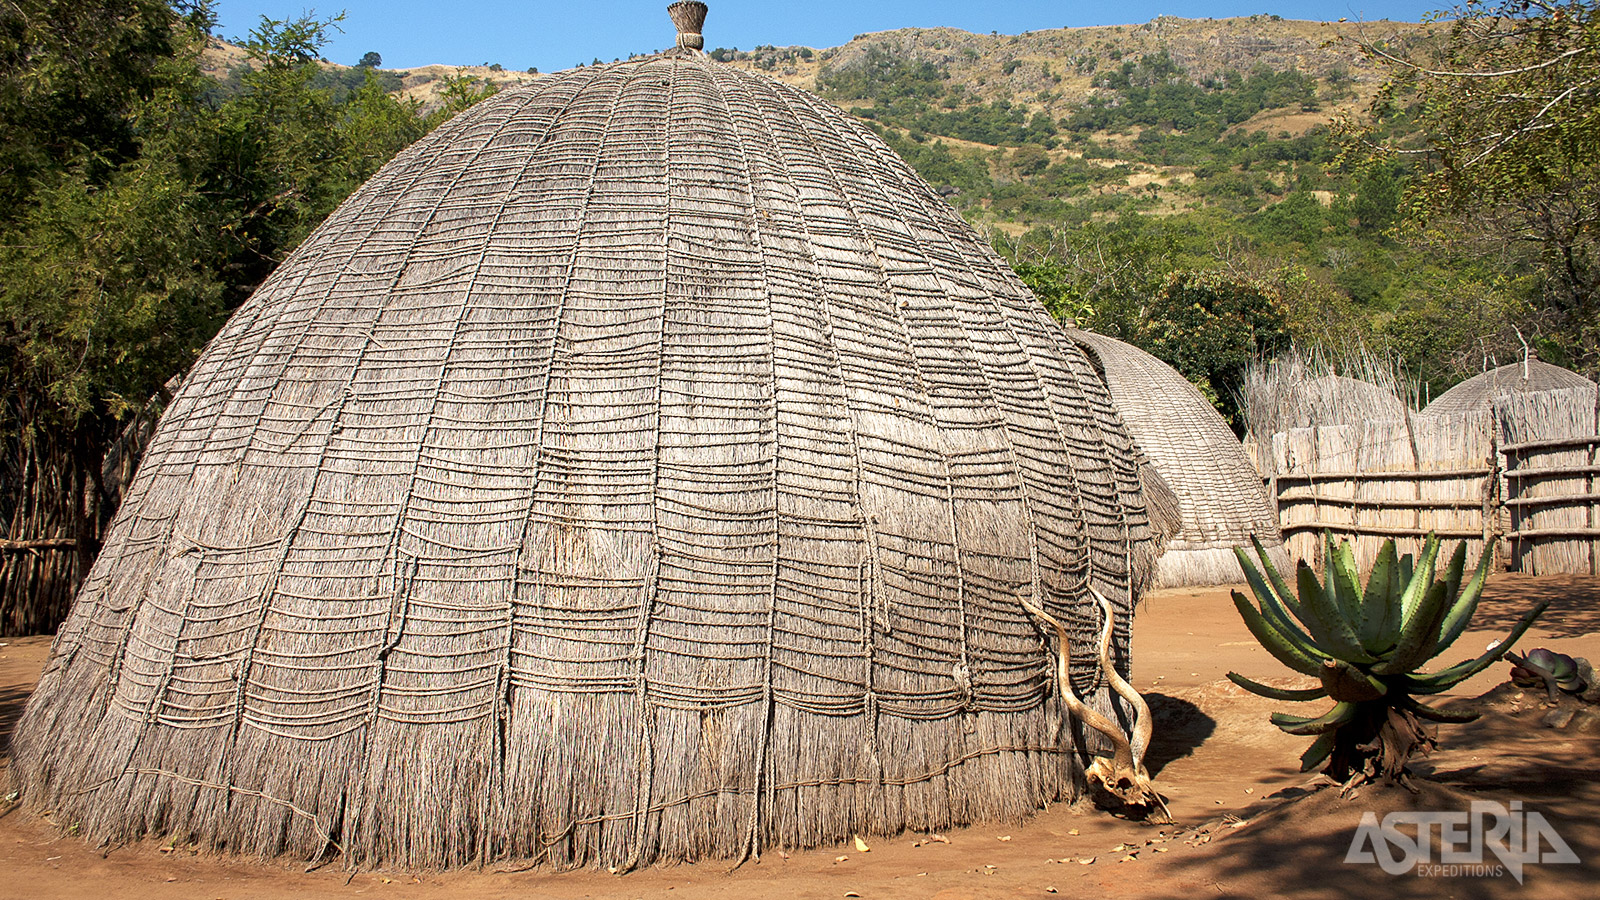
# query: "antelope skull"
x,y
1122,775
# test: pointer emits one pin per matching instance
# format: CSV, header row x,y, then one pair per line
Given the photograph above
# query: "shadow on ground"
x,y
1180,727
1574,603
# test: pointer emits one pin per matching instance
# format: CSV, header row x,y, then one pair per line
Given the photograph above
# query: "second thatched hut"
x,y
1477,394
1221,500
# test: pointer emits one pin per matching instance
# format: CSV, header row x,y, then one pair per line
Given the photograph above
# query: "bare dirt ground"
x,y
1248,823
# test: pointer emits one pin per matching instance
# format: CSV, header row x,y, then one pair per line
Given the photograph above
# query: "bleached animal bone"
x,y
1123,775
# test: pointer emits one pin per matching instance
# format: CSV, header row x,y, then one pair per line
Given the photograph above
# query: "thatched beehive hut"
x,y
1477,394
645,465
1221,500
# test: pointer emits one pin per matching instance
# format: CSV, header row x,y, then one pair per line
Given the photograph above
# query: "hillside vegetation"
x,y
1118,165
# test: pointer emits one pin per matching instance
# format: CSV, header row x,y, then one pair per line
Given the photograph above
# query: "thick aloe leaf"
x,y
1326,622
1271,600
1420,637
1345,682
1281,587
1452,572
1466,603
1414,590
1445,679
1344,579
1440,715
1379,627
1317,752
1274,641
1272,693
1341,714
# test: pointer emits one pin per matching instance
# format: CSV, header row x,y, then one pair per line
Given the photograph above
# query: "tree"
x,y
141,205
372,59
1208,325
1129,280
104,290
1507,101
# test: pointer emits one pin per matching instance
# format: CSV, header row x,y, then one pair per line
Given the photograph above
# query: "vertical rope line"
x,y
852,426
114,677
395,196
287,542
645,785
399,605
763,777
503,686
917,192
1052,334
158,696
364,752
848,133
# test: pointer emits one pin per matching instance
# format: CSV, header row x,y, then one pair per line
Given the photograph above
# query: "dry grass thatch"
x,y
1477,394
1221,501
646,465
1301,390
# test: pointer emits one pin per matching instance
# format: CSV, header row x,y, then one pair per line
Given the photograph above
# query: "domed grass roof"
x,y
1477,393
1221,501
644,465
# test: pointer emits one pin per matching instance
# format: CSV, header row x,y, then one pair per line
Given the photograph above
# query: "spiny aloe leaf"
x,y
1342,713
1412,594
1273,640
1440,715
1345,682
1419,637
1380,623
1344,579
1445,679
1452,572
1272,693
1326,622
1455,622
1317,752
1279,586
1272,602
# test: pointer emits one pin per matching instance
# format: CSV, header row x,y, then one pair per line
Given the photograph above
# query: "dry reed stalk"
x,y
1300,389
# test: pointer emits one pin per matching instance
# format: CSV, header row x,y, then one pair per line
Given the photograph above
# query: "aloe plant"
x,y
1557,672
1367,646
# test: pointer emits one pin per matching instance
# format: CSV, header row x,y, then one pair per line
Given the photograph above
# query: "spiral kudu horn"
x,y
1123,775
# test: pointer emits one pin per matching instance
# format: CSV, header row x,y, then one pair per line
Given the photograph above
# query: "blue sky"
x,y
552,36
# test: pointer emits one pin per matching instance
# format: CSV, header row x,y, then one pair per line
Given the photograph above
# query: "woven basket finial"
x,y
689,16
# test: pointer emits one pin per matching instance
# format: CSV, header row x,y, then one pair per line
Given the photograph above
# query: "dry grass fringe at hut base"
x,y
644,466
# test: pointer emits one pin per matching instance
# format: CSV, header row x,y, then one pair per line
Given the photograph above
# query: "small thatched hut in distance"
x,y
1300,390
1221,501
645,465
1477,394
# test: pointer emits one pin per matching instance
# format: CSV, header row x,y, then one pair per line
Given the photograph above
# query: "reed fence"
x,y
1524,470
1550,444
